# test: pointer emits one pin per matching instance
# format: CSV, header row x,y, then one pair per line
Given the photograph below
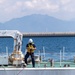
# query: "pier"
x,y
56,34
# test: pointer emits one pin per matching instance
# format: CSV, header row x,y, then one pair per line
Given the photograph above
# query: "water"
x,y
51,46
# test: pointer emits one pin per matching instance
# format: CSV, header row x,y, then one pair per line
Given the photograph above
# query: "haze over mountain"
x,y
38,23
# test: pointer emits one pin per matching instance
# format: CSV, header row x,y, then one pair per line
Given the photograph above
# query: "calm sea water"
x,y
50,45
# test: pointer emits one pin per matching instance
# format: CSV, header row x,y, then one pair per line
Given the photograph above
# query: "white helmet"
x,y
30,40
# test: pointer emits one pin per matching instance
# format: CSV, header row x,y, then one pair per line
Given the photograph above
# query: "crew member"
x,y
30,51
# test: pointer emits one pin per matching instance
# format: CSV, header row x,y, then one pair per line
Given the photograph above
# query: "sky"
x,y
61,9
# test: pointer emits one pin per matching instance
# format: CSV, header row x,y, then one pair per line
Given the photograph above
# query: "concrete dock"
x,y
49,34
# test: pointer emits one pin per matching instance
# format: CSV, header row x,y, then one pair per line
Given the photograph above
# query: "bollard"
x,y
51,62
74,59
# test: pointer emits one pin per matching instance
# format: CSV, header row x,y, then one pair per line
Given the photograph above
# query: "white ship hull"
x,y
37,71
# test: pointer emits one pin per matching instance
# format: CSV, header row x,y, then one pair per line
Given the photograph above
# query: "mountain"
x,y
38,23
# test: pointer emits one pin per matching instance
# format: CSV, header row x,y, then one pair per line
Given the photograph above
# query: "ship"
x,y
13,64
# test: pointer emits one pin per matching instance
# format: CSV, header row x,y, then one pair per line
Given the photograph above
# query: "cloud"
x,y
2,1
65,1
16,8
70,7
41,5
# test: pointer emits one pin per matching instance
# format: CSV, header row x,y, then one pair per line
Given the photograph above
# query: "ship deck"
x,y
44,68
45,64
55,64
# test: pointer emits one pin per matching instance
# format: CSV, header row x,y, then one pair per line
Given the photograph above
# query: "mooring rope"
x,y
20,71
